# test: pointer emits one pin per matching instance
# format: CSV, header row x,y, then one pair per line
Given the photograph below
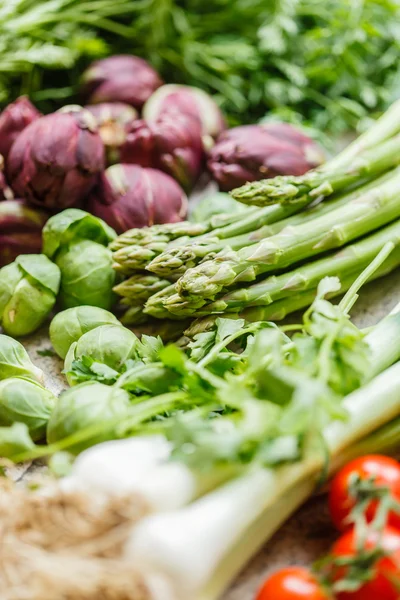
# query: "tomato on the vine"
x,y
379,576
374,471
293,583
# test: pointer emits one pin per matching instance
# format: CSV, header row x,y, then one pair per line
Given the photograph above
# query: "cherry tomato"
x,y
384,471
384,585
293,583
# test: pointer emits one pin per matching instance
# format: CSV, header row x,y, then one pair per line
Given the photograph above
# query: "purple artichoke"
x,y
253,152
129,196
14,118
188,100
55,161
113,119
20,230
6,192
120,78
172,144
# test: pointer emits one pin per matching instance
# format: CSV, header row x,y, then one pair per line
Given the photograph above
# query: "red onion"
x,y
129,196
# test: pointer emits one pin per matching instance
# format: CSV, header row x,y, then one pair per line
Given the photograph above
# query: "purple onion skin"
x,y
129,196
254,152
55,161
172,144
113,120
120,78
20,230
187,100
14,118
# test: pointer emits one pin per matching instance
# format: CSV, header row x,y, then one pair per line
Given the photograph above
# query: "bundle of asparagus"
x,y
246,263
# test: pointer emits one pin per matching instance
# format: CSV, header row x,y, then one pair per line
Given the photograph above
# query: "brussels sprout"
x,y
15,361
110,345
28,291
87,276
88,405
69,325
14,440
74,225
25,401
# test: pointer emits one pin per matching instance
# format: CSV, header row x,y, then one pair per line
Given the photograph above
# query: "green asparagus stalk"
x,y
280,309
134,316
323,181
387,126
373,209
138,288
155,305
136,250
343,264
157,233
174,261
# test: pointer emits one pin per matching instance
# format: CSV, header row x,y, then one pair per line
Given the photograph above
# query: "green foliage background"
x,y
328,62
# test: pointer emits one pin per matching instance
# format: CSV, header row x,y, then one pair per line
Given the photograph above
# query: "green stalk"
x,y
174,261
280,309
133,250
343,264
384,128
138,288
375,208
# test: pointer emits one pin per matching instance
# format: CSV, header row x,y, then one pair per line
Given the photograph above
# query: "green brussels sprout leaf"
x,y
108,345
89,406
41,269
15,361
14,440
87,275
74,225
28,291
69,325
25,401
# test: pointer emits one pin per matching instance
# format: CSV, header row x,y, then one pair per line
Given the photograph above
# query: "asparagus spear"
x,y
161,233
280,309
366,213
138,288
384,128
133,250
323,181
343,264
176,260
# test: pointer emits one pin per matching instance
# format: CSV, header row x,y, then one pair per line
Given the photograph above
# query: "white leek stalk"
x,y
197,550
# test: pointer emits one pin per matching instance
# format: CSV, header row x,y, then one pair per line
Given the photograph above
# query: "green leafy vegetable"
x,y
15,361
14,440
27,402
69,325
87,276
85,406
329,63
28,291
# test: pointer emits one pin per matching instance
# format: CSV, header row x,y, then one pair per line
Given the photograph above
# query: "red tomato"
x,y
384,585
385,472
293,583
